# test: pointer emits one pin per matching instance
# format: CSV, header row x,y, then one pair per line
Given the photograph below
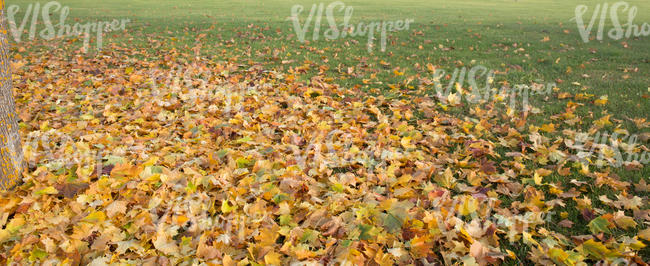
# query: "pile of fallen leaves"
x,y
169,160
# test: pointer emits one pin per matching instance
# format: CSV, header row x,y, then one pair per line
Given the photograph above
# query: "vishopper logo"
x,y
338,149
61,29
619,30
475,85
58,151
613,149
344,30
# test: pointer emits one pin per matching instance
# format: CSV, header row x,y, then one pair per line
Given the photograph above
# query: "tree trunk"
x,y
11,154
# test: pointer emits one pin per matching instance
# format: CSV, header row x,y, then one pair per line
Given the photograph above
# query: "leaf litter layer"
x,y
171,161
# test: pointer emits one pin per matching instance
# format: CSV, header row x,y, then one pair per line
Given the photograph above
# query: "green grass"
x,y
469,32
448,34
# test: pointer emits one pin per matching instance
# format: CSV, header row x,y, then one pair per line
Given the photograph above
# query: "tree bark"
x,y
11,155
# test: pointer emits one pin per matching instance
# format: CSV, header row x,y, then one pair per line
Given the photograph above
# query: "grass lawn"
x,y
523,41
505,36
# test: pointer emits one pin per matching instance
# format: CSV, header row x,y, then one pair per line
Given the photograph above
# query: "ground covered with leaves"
x,y
186,159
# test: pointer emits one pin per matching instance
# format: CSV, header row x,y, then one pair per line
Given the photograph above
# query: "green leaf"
x,y
113,160
48,190
309,236
599,225
367,232
222,153
391,222
396,215
285,219
596,249
558,255
337,188
156,169
191,187
37,254
243,162
280,197
243,140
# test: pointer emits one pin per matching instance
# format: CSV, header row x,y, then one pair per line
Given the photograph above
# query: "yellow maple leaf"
x,y
226,208
538,179
446,180
420,245
624,222
645,234
48,190
550,128
601,101
469,206
558,256
453,99
273,258
406,143
383,259
595,249
95,217
603,121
